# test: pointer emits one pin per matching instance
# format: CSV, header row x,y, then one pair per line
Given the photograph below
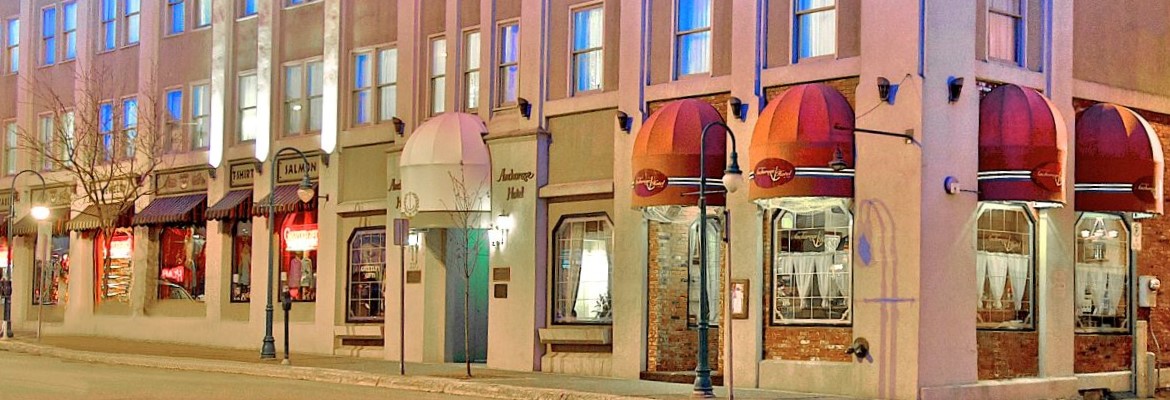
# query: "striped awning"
x,y
237,204
173,210
285,201
3,225
27,225
95,217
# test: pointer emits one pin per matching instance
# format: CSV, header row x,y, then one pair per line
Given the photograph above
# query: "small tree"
x,y
466,216
98,139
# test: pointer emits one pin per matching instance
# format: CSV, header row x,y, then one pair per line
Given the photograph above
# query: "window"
x,y
290,3
438,76
49,36
200,116
203,19
67,150
133,9
387,83
367,265
583,271
69,30
298,258
587,56
182,262
1004,267
109,29
242,262
129,126
693,37
10,147
471,43
1102,274
112,282
694,271
176,15
12,45
174,117
247,104
247,8
46,141
362,88
106,128
303,88
1005,21
816,28
509,69
49,277
811,274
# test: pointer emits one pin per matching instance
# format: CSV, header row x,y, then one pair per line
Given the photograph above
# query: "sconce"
x,y
399,126
498,233
954,88
525,107
625,123
738,109
886,91
838,162
413,239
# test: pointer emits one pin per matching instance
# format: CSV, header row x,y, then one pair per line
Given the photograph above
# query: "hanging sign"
x,y
300,238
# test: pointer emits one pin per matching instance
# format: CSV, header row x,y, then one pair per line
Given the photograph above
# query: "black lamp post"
x,y
305,194
39,213
732,178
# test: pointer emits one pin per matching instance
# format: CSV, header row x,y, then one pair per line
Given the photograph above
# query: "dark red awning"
x,y
1022,144
27,225
237,204
666,155
286,201
1119,161
186,209
794,141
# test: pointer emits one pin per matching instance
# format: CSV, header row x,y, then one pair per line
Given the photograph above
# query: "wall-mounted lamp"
x,y
738,108
413,239
954,88
498,233
838,162
886,91
399,126
325,159
625,123
525,107
211,171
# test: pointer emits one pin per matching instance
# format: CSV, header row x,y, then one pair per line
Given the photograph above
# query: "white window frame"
x,y
168,23
46,36
127,15
797,39
567,222
67,33
844,257
45,126
1029,323
436,73
203,14
574,53
69,147
11,147
241,108
128,132
170,145
354,90
1086,261
500,84
200,119
381,85
1020,40
11,49
471,71
104,24
677,38
305,100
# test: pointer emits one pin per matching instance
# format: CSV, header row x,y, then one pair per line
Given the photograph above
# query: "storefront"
x,y
296,233
177,228
107,227
43,248
234,213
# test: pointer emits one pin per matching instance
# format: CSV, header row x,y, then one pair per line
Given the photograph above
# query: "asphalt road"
x,y
32,377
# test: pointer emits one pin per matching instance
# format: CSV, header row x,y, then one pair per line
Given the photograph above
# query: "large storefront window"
x,y
812,278
51,276
1004,267
1102,273
694,271
182,262
298,255
113,280
242,262
584,265
367,266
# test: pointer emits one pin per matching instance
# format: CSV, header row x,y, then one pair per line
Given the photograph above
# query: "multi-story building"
x,y
547,151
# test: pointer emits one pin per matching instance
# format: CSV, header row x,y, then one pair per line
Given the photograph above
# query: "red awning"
x,y
795,139
286,201
27,225
186,209
237,204
666,155
1022,144
1119,161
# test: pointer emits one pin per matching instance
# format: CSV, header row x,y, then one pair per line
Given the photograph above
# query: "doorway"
x,y
466,253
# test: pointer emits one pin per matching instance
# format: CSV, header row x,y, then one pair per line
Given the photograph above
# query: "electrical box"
x,y
1148,291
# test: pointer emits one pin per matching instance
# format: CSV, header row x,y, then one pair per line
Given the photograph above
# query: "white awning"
x,y
442,153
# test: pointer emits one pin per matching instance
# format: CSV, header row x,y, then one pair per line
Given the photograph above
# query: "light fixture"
x,y
733,177
305,191
495,236
838,163
296,107
887,92
413,239
399,126
40,213
504,224
738,109
525,107
625,123
954,88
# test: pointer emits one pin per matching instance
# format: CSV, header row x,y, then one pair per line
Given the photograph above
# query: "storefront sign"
x,y
300,238
1145,189
649,182
55,196
5,201
293,169
772,172
183,181
1049,176
241,174
413,276
395,185
121,248
174,274
510,175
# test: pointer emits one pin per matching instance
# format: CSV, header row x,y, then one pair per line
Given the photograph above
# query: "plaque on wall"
x,y
181,181
501,274
55,195
413,276
291,169
500,291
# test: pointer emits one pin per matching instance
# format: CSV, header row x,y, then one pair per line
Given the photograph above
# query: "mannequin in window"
x,y
188,261
244,261
294,277
308,278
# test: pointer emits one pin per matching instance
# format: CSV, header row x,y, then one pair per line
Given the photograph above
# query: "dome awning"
x,y
1022,143
666,156
795,139
446,166
1119,165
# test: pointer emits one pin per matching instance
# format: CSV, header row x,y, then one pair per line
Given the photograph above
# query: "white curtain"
x,y
1081,283
805,268
841,279
1097,283
1115,287
1020,273
997,266
825,277
981,260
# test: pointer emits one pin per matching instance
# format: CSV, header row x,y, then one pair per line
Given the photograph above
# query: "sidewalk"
x,y
436,378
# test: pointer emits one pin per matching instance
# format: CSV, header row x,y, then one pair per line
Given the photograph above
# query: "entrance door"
x,y
467,252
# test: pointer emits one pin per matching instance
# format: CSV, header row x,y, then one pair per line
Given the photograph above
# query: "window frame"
x,y
305,98
112,23
200,7
194,125
172,123
47,138
1019,30
67,33
719,220
1130,278
574,53
349,271
1032,216
46,37
243,9
11,147
379,86
107,133
235,268
776,215
467,69
499,101
123,130
240,107
11,67
126,16
436,104
169,28
371,64
677,35
554,277
796,38
290,4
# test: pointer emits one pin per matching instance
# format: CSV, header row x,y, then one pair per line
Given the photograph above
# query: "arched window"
x,y
367,266
1004,267
582,272
1102,274
812,279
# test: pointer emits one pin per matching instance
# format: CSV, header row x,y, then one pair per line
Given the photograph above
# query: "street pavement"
x,y
34,378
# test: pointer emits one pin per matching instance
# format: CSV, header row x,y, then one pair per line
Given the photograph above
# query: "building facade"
x,y
547,155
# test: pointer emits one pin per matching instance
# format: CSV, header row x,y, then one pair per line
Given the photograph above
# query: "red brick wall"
x,y
1007,354
1103,353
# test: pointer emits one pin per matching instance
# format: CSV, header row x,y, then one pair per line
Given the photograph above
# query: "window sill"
x,y
247,17
577,334
816,59
296,6
127,46
811,323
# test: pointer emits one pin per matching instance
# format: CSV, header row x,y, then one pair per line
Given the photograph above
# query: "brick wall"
x,y
1007,354
1103,353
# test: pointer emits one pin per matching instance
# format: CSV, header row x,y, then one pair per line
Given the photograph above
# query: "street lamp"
x,y
732,179
305,193
39,213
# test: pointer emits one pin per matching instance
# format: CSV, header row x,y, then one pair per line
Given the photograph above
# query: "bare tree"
x,y
96,136
467,217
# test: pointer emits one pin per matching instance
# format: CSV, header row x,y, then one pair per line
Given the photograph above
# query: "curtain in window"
x,y
841,278
981,260
806,266
1081,283
593,280
997,267
571,272
1097,283
1019,272
824,263
1115,286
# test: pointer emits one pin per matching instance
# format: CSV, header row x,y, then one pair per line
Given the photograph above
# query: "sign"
x,y
292,170
1049,176
739,298
56,196
649,182
241,175
772,172
510,175
174,274
5,201
121,248
300,238
182,181
1136,242
1145,189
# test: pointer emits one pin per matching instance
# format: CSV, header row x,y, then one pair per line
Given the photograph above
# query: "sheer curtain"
x,y
1097,283
841,279
806,266
1115,286
997,267
1080,284
982,258
1019,273
824,273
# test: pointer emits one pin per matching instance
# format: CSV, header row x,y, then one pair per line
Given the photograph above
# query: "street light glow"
x,y
40,213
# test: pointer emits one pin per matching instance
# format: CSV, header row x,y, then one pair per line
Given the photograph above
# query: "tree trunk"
x,y
467,321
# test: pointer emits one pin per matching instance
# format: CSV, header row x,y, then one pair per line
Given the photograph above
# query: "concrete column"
x,y
411,66
267,75
222,80
329,270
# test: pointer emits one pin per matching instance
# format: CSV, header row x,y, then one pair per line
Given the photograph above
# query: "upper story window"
x,y
1102,274
129,126
46,140
1004,267
509,67
815,28
174,118
375,78
106,128
203,13
583,271
303,89
176,16
109,26
438,88
291,3
363,92
12,45
1005,24
811,275
49,36
588,34
247,117
387,83
69,139
133,10
692,37
10,147
247,8
69,29
471,55
200,116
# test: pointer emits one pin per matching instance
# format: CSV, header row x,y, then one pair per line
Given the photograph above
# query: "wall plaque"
x,y
54,196
292,169
181,181
413,276
241,174
501,274
500,291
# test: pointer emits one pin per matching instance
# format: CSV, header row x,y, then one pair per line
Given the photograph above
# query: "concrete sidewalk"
x,y
434,378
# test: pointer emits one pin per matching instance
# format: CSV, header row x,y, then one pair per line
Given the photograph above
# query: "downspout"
x,y
921,37
643,62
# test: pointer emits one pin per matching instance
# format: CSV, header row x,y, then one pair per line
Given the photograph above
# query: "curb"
x,y
410,383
